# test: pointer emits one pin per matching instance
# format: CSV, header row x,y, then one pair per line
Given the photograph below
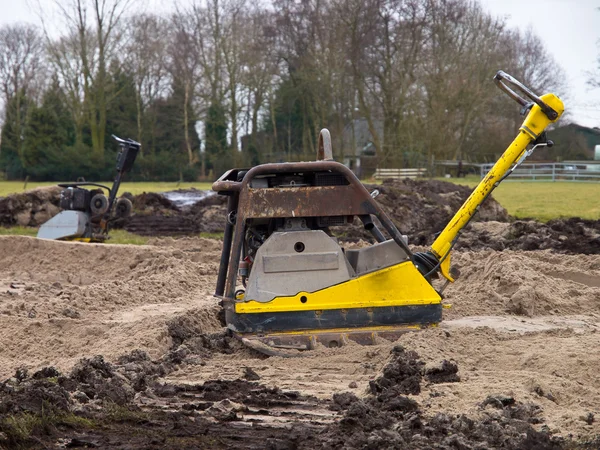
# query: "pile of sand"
x,y
61,301
524,283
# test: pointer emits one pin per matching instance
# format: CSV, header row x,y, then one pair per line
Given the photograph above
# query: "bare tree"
x,y
93,26
462,47
64,57
385,41
232,37
259,64
185,67
146,61
21,64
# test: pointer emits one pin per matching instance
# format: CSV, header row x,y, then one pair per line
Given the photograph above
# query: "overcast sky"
x,y
569,28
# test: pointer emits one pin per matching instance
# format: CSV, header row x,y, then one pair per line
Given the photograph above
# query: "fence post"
x,y
553,172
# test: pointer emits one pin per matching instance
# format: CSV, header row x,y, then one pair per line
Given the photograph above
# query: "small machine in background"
x,y
88,213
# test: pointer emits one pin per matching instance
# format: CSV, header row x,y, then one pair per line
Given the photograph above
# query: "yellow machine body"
x,y
399,285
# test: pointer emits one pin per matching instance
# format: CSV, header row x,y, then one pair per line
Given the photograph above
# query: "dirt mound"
x,y
149,203
59,298
421,208
205,216
573,235
528,284
388,419
153,213
31,208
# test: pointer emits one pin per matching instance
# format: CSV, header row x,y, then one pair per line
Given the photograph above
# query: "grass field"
x,y
543,200
116,236
538,200
13,187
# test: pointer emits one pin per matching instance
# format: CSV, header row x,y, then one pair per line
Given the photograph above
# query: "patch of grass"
x,y
116,236
120,414
18,231
20,428
543,200
547,200
134,187
124,237
73,421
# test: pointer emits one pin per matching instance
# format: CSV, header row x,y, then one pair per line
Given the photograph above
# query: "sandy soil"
x,y
524,324
62,301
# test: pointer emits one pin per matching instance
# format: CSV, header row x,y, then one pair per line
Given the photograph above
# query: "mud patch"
x,y
245,414
387,419
573,236
77,411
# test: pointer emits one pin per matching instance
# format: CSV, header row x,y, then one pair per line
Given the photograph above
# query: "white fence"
x,y
551,172
398,174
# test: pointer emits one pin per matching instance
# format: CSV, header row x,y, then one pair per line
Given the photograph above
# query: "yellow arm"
x,y
535,123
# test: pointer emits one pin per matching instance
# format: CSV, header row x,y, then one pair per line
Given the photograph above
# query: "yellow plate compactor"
x,y
301,287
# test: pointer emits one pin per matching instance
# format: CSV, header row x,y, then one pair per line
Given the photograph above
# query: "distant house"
x,y
571,142
358,148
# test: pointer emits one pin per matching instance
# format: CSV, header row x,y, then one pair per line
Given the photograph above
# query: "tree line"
x,y
223,83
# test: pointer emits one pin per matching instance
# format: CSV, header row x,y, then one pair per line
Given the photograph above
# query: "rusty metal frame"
x,y
311,201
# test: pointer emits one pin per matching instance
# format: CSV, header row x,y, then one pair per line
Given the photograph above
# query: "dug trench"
x,y
511,366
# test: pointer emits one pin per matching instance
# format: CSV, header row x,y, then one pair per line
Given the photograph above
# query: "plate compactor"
x,y
88,213
301,287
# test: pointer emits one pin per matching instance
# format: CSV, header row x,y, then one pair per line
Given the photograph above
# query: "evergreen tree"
x,y
121,117
167,156
215,129
11,138
48,152
291,119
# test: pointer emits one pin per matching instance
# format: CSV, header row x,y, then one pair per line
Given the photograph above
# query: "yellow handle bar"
x,y
534,124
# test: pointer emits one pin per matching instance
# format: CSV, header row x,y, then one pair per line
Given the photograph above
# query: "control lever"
x,y
542,143
508,84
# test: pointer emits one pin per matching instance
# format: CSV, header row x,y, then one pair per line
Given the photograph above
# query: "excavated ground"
x,y
419,208
111,346
521,331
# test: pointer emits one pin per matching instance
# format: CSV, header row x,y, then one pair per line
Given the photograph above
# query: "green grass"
x,y
207,235
116,236
13,187
19,428
117,413
124,237
544,200
18,231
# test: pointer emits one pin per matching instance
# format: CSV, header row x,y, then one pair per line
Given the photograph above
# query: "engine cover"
x,y
294,261
75,199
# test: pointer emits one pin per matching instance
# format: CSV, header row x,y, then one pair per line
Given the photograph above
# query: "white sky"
x,y
569,28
